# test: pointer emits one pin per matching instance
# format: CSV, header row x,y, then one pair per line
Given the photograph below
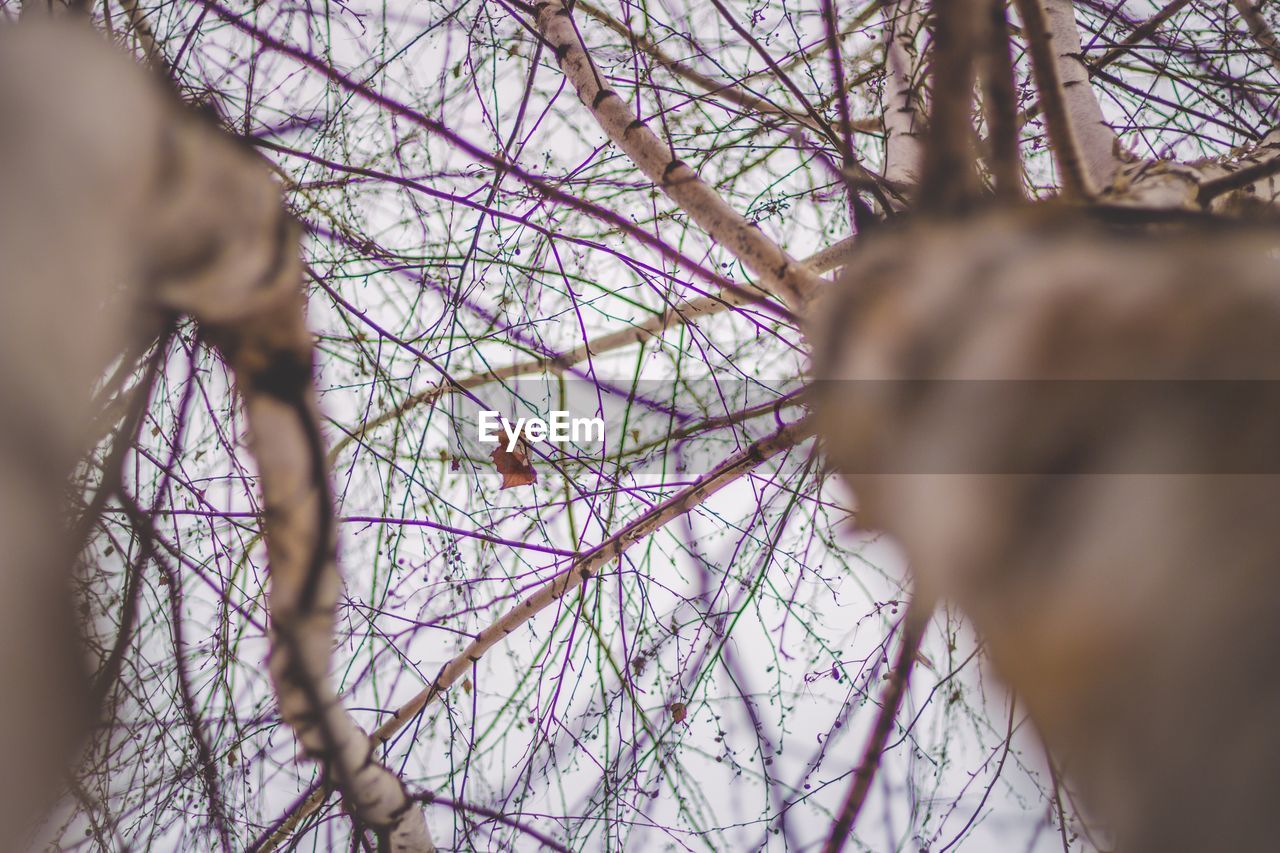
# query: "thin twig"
x,y
914,622
545,840
722,90
675,316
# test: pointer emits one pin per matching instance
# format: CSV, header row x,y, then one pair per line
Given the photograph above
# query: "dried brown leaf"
x,y
514,465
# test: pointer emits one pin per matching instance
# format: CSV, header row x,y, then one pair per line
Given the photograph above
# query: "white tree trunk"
x,y
1095,138
903,112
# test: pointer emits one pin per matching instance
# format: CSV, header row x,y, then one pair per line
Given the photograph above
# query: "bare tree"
x,y
1044,370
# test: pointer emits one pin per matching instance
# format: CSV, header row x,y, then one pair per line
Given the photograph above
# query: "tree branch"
x,y
903,112
1253,172
778,272
248,298
1259,29
949,180
914,622
159,216
1000,104
1138,35
734,93
1046,39
567,581
683,313
498,163
1095,142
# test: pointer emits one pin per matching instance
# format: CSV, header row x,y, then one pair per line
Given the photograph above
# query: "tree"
x,y
594,653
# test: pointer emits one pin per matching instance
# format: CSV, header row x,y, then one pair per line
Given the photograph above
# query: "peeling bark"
x,y
1244,184
720,90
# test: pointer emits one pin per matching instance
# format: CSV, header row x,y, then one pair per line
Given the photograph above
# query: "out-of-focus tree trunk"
x,y
64,315
105,227
1065,415
1042,410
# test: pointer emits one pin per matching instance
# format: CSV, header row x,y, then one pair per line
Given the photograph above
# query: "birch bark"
x,y
197,227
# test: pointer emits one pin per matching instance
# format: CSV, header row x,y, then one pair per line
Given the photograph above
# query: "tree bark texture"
x,y
1068,426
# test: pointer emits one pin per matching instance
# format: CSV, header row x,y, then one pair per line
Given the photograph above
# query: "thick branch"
x,y
777,271
299,532
1000,104
949,180
1063,424
1139,34
1096,141
164,215
903,112
1259,29
246,291
1044,51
